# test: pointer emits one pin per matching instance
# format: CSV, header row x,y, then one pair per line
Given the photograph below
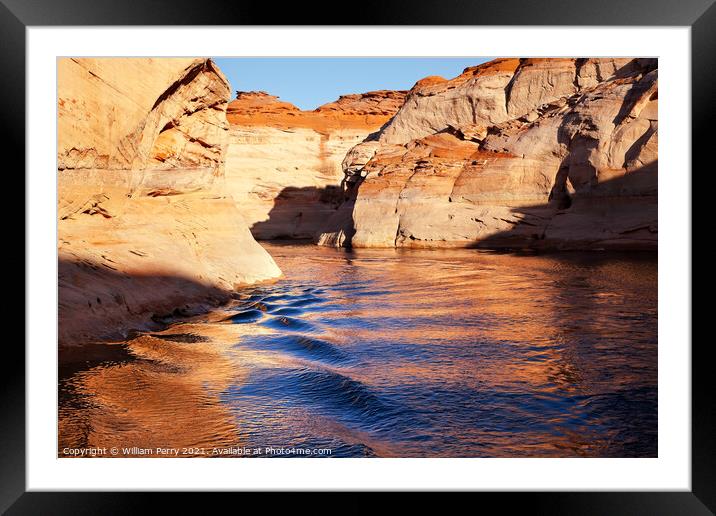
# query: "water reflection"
x,y
397,353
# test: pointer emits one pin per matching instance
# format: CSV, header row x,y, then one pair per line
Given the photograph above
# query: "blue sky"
x,y
309,82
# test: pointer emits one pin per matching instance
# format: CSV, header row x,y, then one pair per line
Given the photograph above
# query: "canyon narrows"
x,y
162,184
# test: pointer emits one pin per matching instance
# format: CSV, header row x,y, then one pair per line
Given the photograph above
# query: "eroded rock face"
x,y
283,165
145,225
477,96
543,153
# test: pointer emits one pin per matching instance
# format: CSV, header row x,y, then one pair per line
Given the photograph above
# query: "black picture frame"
x,y
700,15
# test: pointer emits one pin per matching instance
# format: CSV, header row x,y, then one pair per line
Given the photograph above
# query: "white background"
x,y
671,470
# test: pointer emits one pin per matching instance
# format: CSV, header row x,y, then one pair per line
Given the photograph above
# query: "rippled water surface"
x,y
457,353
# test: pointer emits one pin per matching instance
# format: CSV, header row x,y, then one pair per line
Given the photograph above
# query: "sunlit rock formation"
x,y
540,153
283,165
145,226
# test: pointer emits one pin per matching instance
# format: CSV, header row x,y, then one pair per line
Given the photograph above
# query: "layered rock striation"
x,y
519,153
145,226
283,165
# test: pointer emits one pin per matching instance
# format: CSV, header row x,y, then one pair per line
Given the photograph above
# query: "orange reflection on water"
x,y
165,394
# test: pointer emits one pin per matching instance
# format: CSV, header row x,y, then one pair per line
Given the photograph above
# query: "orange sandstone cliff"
x,y
145,225
517,153
283,165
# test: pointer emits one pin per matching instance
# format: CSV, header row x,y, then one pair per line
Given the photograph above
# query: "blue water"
x,y
452,353
395,353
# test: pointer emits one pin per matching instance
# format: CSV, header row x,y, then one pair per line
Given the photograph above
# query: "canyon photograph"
x,y
357,257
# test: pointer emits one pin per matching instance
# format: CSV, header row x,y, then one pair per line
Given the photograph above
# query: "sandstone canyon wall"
x,y
145,226
283,165
517,153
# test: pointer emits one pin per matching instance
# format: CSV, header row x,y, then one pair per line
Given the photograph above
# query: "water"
x,y
458,353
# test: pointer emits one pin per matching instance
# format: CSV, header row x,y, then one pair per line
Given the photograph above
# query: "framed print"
x,y
431,250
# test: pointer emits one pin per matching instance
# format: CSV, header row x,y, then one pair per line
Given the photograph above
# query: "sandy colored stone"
x,y
492,93
145,226
567,158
